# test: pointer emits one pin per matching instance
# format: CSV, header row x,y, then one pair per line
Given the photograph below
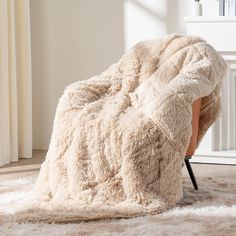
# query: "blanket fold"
x,y
119,138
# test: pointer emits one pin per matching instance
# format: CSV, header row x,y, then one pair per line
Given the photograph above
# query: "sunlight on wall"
x,y
143,20
155,18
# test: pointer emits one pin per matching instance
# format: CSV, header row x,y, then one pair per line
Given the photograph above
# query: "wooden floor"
x,y
25,167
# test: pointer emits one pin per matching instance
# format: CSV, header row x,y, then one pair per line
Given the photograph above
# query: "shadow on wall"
x,y
154,18
173,15
71,40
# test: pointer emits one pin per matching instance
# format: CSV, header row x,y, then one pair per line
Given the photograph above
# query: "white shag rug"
x,y
209,211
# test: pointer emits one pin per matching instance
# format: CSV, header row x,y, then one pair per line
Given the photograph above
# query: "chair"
x,y
190,171
196,106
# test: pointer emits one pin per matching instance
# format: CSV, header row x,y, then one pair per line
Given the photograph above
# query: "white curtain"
x,y
15,81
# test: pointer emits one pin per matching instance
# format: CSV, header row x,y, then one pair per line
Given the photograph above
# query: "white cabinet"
x,y
219,145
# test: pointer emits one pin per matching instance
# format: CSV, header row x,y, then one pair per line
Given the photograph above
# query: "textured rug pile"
x,y
119,138
209,211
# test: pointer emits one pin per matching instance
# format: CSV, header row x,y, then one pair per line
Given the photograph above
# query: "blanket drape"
x,y
119,138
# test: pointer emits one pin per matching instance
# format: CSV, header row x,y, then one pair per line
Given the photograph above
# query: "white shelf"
x,y
218,31
208,19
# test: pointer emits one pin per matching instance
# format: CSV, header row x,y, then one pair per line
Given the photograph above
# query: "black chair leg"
x,y
190,171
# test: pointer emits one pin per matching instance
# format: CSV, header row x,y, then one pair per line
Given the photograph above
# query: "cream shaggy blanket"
x,y
119,139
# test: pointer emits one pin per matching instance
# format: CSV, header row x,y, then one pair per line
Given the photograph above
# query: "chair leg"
x,y
190,171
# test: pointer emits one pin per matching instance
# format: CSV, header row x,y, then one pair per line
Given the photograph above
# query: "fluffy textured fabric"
x,y
119,138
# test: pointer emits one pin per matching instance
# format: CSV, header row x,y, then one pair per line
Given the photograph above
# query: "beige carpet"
x,y
209,211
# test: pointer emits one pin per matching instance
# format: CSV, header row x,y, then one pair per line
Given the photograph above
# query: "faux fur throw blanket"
x,y
119,139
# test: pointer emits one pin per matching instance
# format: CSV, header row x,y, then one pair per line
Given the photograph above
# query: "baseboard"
x,y
215,157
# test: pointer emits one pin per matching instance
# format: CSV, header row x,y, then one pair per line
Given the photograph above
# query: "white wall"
x,y
155,18
76,39
71,40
